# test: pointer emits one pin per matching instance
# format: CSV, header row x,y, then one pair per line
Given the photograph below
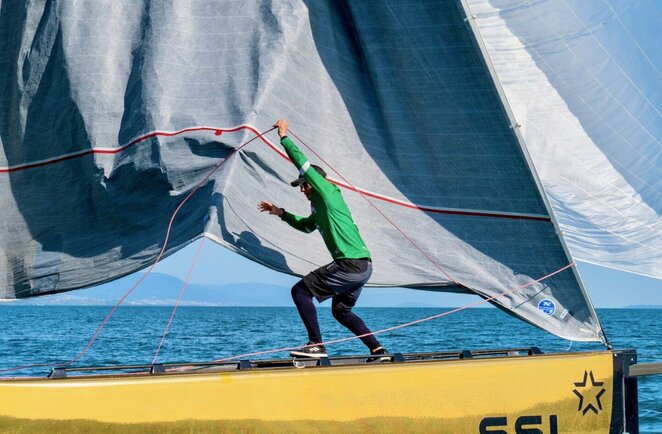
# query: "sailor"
x,y
342,280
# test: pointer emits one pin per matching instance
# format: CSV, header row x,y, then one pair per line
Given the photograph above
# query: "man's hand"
x,y
273,209
281,124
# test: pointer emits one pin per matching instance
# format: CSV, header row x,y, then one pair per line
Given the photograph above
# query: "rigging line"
x,y
432,261
440,210
382,214
233,248
262,238
504,100
165,243
411,323
179,299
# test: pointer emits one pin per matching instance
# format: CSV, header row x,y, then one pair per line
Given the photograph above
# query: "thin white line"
x,y
581,162
558,37
613,208
579,60
612,59
601,229
627,194
589,106
577,186
633,39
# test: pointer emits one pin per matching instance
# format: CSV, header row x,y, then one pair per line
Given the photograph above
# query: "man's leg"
x,y
303,299
341,307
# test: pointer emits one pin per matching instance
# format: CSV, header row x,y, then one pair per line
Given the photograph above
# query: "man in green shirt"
x,y
343,279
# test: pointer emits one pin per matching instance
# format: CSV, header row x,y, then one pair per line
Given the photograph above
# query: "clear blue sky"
x,y
217,265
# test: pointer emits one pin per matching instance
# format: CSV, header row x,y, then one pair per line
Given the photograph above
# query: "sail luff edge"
x,y
515,126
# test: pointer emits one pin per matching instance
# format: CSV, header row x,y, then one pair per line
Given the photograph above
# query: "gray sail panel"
x,y
394,99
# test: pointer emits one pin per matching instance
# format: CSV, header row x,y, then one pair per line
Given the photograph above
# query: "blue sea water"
x,y
55,334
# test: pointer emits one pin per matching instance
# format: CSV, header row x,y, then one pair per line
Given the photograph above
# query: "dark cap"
x,y
300,180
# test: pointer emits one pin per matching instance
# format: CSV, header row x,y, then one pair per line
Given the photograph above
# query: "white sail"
x,y
584,81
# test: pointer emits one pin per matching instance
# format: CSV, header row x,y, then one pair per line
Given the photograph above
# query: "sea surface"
x,y
56,334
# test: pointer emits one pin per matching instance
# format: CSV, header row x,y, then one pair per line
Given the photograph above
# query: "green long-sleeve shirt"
x,y
329,212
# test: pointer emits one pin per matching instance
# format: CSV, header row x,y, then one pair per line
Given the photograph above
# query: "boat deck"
x,y
292,362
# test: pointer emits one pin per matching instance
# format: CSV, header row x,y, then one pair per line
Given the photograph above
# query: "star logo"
x,y
589,394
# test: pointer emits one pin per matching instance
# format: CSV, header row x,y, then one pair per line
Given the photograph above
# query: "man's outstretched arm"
x,y
303,224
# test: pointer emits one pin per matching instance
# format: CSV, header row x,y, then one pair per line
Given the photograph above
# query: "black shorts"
x,y
341,277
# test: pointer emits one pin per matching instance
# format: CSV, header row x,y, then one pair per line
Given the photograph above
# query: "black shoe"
x,y
314,351
382,355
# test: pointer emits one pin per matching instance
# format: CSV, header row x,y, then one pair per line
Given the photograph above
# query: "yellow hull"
x,y
551,393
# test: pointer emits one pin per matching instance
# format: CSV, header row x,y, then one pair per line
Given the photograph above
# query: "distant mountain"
x,y
163,290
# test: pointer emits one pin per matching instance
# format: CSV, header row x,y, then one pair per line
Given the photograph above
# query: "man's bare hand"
x,y
281,124
270,207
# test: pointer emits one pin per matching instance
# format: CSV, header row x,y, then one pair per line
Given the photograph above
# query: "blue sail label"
x,y
547,306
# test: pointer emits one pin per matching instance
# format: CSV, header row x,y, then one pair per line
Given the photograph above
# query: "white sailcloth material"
x,y
584,80
112,111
